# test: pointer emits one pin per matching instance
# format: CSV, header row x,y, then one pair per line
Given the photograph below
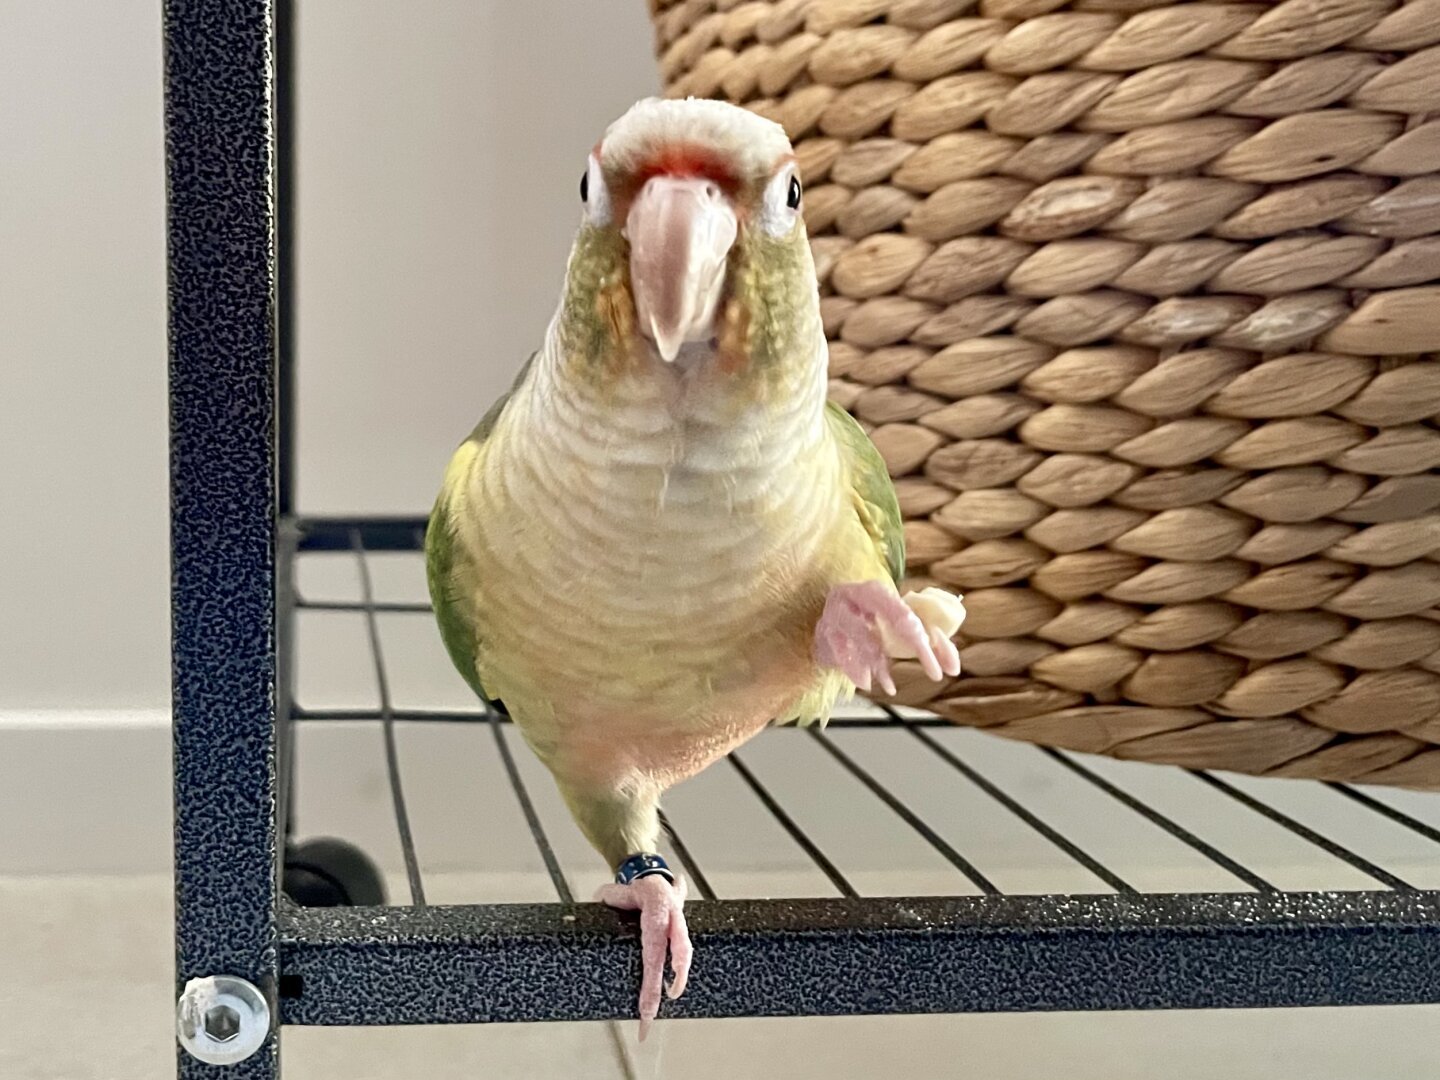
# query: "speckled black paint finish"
x,y
836,957
220,151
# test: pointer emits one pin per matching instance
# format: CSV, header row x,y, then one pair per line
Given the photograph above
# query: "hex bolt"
x,y
222,1023
221,1020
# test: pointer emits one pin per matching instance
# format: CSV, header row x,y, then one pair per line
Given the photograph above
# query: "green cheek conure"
x,y
664,538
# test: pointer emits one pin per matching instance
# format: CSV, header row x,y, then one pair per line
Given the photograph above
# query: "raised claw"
x,y
865,624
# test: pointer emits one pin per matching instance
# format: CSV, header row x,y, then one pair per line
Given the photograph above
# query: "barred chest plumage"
x,y
653,545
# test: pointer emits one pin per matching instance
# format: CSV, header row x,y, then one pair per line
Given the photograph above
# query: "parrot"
x,y
664,538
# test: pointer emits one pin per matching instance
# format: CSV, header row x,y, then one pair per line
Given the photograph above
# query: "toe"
x,y
621,897
907,626
654,944
885,679
946,653
925,653
680,953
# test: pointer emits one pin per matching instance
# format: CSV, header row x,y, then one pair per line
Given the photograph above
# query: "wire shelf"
x,y
883,815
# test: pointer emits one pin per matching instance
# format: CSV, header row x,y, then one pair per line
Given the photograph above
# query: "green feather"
x,y
870,483
492,415
441,555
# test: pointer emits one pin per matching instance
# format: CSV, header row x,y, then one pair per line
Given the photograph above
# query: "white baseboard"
x,y
85,792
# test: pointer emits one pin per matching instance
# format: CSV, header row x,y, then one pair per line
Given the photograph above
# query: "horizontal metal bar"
x,y
428,716
397,533
457,716
846,957
407,607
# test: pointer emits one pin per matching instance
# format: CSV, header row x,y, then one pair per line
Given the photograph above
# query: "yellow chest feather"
x,y
635,570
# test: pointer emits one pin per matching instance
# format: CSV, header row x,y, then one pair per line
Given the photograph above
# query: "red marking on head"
x,y
688,160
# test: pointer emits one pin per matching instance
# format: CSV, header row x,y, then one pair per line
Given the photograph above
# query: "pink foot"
x,y
662,930
853,630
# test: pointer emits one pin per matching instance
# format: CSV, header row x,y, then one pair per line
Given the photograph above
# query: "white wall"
x,y
82,355
441,145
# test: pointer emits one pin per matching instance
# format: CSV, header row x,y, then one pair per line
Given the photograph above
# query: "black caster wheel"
x,y
326,872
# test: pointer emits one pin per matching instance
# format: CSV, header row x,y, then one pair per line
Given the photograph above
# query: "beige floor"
x,y
85,995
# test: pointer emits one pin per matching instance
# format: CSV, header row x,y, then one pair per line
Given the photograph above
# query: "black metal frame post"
x,y
220,146
285,160
285,403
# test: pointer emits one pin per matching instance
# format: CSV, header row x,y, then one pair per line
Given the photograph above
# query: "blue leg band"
x,y
637,866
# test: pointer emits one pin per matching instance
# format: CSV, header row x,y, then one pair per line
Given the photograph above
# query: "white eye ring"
x,y
777,216
594,193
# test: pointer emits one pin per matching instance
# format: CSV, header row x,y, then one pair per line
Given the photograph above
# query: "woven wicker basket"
x,y
1135,298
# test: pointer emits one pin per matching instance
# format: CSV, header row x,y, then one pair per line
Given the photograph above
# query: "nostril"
x,y
712,190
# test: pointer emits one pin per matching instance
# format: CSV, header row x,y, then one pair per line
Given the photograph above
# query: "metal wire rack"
x,y
1131,871
888,864
1278,841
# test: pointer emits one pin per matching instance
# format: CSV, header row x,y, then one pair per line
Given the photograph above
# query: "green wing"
x,y
452,610
870,484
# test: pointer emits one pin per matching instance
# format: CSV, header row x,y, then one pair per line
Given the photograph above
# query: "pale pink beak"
x,y
680,231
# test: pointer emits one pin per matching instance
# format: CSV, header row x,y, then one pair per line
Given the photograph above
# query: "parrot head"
x,y
691,244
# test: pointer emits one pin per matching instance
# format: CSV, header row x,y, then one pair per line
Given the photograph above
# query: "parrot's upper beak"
x,y
680,231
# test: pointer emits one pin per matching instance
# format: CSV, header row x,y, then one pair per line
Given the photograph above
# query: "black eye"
x,y
792,200
585,186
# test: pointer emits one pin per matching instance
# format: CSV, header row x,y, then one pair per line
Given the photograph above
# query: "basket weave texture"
x,y
1138,301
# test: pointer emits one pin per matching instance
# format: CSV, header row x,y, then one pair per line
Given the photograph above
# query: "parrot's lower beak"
x,y
680,232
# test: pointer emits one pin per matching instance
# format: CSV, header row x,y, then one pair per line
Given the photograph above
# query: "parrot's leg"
x,y
624,826
662,930
858,621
